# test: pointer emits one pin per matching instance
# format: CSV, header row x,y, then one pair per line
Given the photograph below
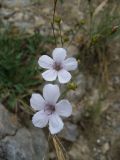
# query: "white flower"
x,y
49,110
58,66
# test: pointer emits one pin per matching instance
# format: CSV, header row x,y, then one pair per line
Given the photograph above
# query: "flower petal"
x,y
55,124
37,102
64,76
64,108
50,75
51,93
59,54
70,64
45,62
40,119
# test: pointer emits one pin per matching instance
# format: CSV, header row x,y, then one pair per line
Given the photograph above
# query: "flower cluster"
x,y
49,109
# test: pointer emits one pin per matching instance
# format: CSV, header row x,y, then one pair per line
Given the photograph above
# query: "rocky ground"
x,y
90,134
18,142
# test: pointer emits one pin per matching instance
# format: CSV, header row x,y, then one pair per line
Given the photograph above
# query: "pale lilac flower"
x,y
58,66
49,110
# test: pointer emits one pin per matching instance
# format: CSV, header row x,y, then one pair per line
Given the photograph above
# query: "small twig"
x,y
10,15
26,107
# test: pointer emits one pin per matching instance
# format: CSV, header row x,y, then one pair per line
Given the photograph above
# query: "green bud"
x,y
58,19
66,39
95,38
82,22
72,86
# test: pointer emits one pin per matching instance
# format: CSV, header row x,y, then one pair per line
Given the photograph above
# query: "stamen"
x,y
57,66
49,109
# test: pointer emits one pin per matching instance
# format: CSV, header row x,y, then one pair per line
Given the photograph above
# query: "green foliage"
x,y
19,73
61,1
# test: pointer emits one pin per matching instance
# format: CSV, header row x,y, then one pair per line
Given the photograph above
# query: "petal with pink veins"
x,y
55,124
70,64
50,75
45,62
64,76
59,54
37,102
51,93
64,108
40,119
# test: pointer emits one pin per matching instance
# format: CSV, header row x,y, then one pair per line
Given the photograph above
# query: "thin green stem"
x,y
53,21
62,43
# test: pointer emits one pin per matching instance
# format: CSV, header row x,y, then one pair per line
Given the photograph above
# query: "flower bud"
x,y
58,19
72,86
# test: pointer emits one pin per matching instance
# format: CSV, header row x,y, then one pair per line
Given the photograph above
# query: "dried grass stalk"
x,y
60,151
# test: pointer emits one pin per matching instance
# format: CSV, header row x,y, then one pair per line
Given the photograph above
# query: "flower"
x,y
58,66
49,110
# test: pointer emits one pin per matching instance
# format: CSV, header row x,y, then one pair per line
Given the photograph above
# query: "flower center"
x,y
49,109
57,66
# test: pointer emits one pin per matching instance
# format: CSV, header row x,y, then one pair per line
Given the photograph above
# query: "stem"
x,y
62,43
90,20
53,22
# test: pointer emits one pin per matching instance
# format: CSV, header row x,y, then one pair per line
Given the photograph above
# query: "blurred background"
x,y
90,31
